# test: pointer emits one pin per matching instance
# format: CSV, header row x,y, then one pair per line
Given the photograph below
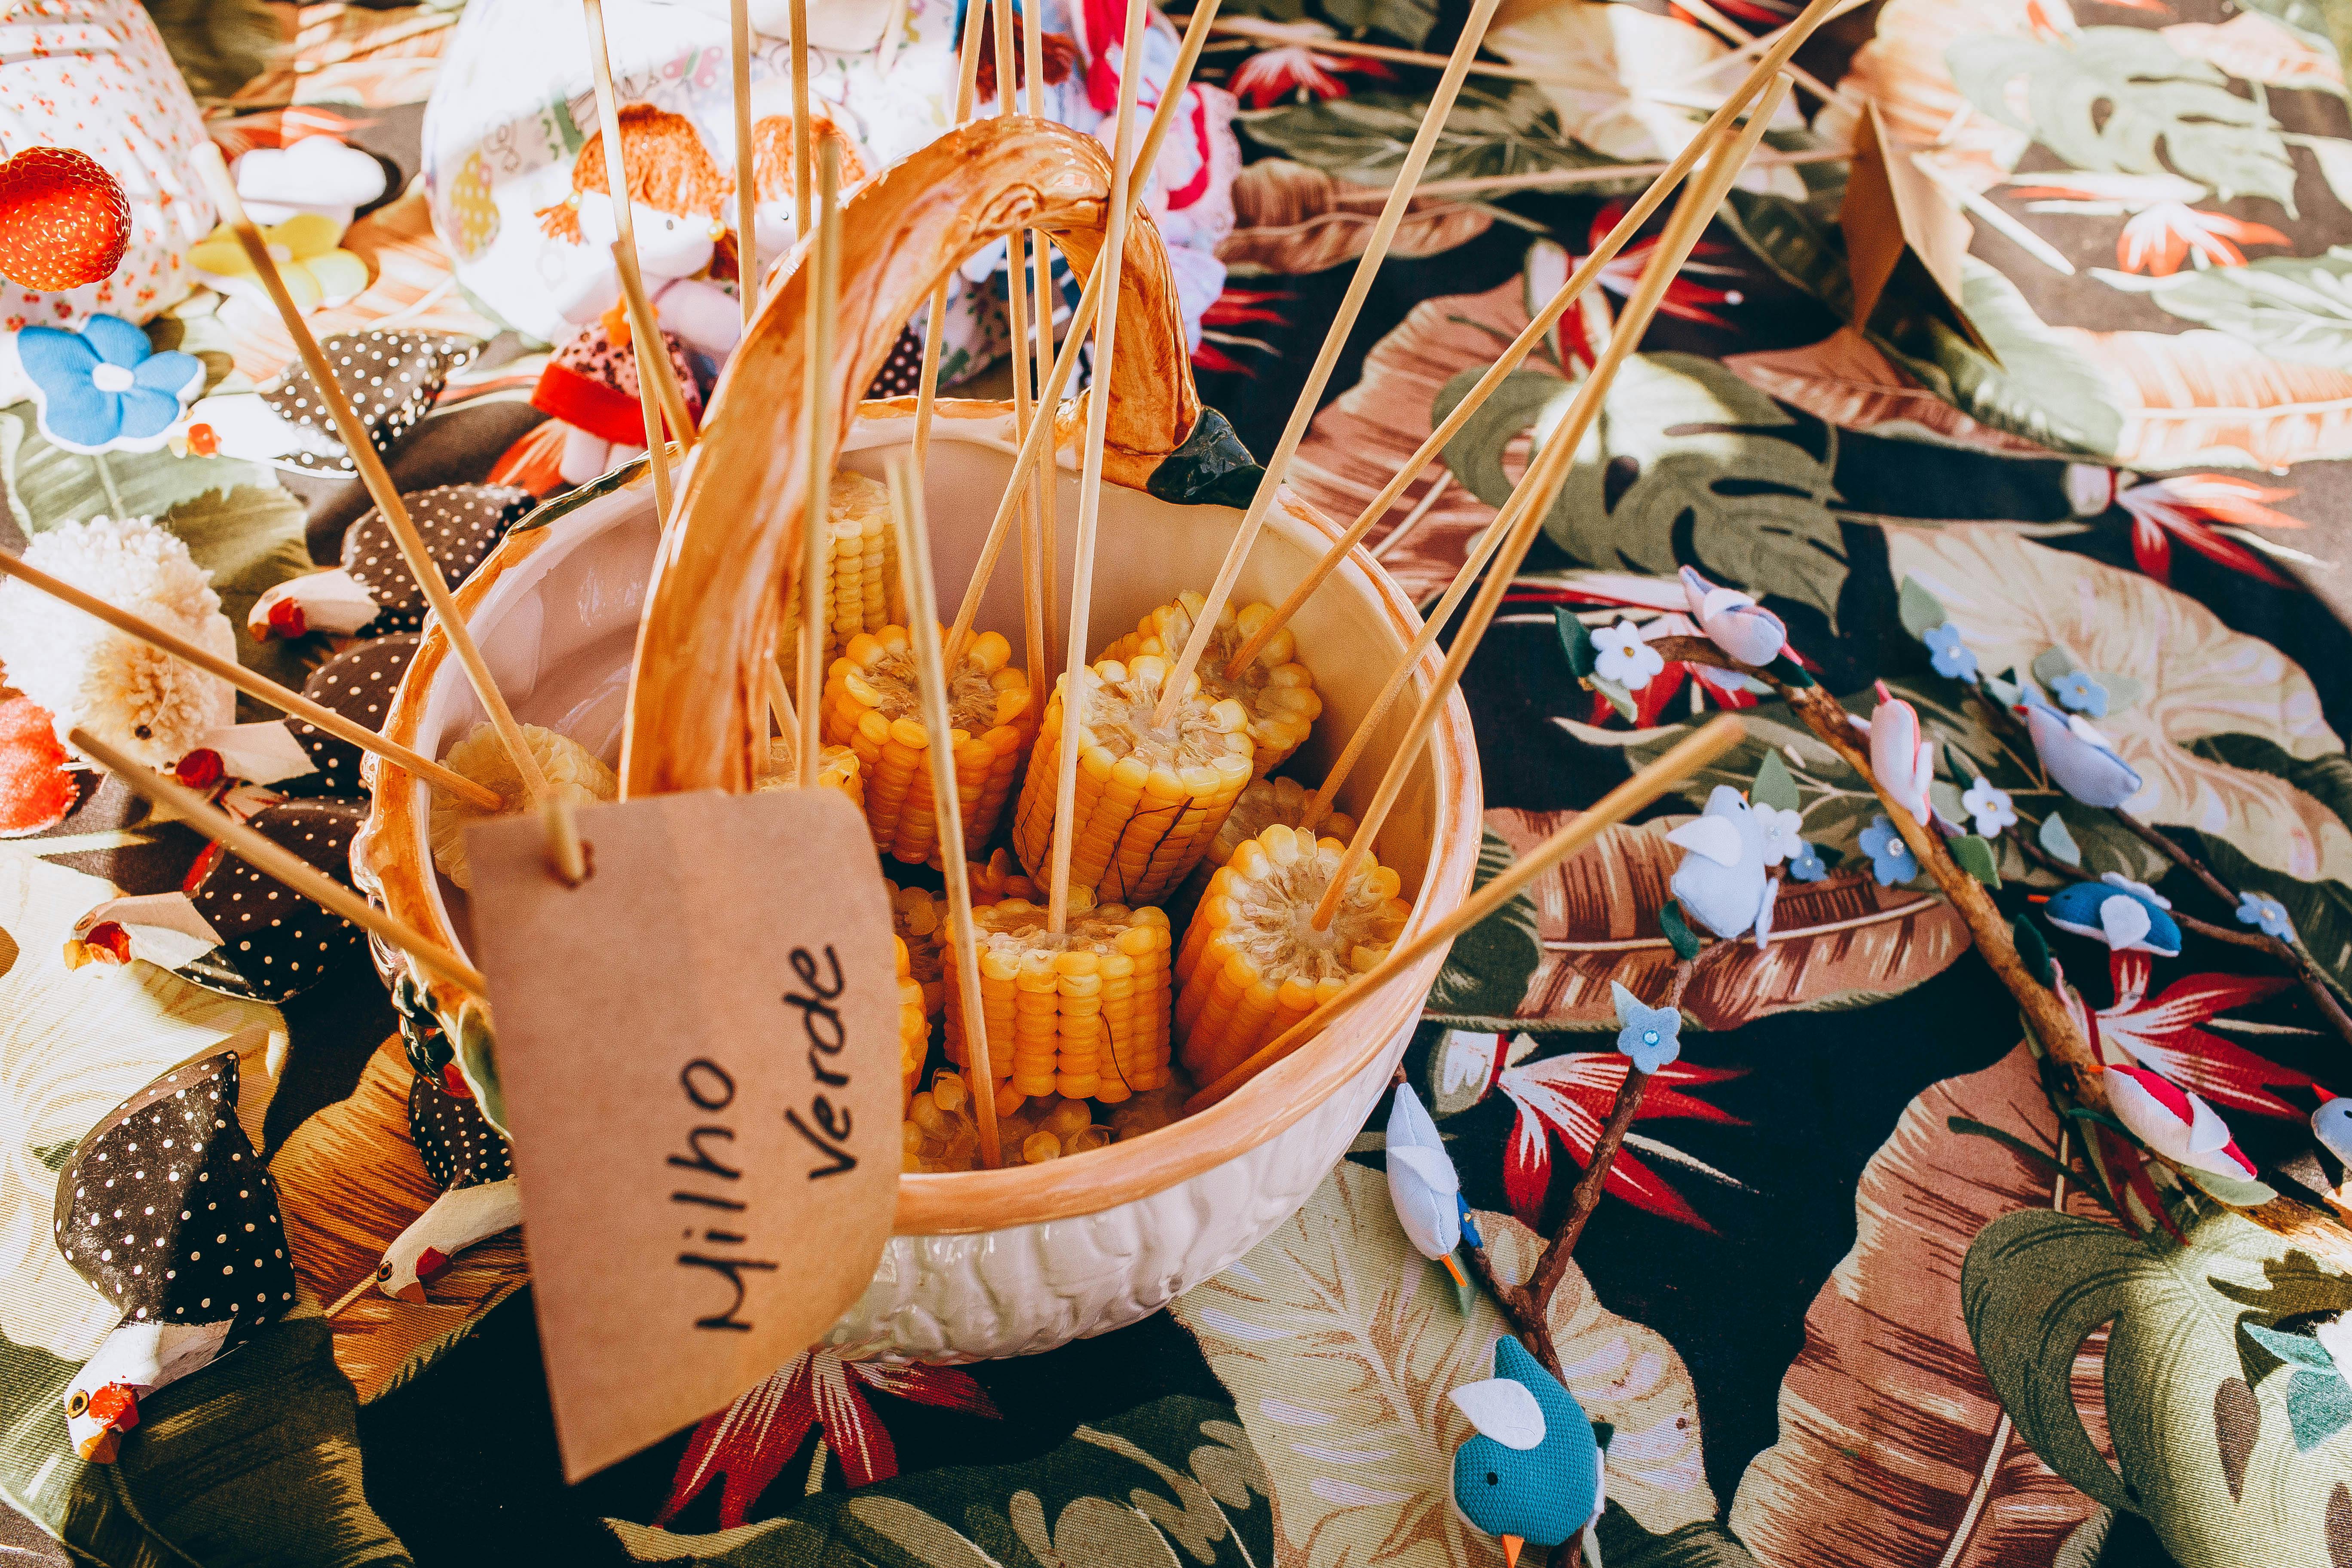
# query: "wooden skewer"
x,y
746,182
815,527
1041,261
285,699
803,149
1532,499
648,399
1334,51
892,33
1016,294
935,326
1343,321
1082,320
566,856
1731,33
1761,42
1456,591
654,369
780,704
931,683
1592,175
1412,519
1082,572
349,1295
1587,273
267,855
364,455
1688,755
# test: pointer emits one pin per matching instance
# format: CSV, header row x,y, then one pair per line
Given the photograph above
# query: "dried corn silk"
x,y
1084,1014
873,705
1148,802
572,774
1275,688
914,1022
917,917
861,578
1253,963
836,768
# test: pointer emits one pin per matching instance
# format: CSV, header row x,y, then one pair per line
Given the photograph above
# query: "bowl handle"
x,y
696,696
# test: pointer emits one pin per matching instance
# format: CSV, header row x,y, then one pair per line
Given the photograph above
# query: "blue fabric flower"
x,y
1890,860
1948,654
1806,865
2265,913
104,388
2078,693
1650,1035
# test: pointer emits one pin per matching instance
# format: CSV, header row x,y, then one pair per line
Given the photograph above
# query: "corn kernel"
x,y
1084,1015
1275,690
861,579
871,705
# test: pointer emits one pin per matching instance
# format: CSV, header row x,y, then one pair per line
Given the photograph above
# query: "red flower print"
x,y
1568,1097
2159,239
1272,75
1685,297
752,1439
2162,1036
2208,513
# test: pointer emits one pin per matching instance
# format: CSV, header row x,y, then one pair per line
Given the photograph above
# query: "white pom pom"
x,y
88,673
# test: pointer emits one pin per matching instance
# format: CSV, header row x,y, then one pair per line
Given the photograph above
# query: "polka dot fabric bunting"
x,y
455,1141
275,943
358,684
902,373
167,1210
392,378
459,523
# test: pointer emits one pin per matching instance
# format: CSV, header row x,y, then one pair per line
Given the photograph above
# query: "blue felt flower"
x,y
1650,1035
2077,692
1806,865
2267,914
1948,654
104,388
1890,860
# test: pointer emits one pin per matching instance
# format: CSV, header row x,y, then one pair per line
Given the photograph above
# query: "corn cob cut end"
x,y
1276,689
941,1135
837,768
574,773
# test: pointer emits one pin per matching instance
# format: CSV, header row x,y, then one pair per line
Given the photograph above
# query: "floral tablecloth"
x,y
1854,1294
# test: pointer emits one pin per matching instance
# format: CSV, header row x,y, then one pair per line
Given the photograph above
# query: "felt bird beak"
x,y
1511,1544
412,1292
101,1448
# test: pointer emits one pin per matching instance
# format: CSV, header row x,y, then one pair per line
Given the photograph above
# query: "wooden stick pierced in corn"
x,y
871,705
1084,1013
1145,805
816,604
1275,688
1251,967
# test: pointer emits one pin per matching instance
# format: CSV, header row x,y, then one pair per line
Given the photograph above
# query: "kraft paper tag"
x,y
1896,221
699,1047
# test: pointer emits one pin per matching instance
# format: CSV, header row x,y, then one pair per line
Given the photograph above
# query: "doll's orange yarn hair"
x,y
771,155
669,170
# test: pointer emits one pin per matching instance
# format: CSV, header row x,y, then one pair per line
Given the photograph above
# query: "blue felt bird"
x,y
1532,1474
1423,1184
1721,881
2077,758
2129,916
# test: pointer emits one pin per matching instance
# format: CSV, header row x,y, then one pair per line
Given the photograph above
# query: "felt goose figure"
x,y
1533,1473
1721,880
2177,1124
2332,1125
373,592
1734,621
1423,1184
2078,759
2129,916
168,1211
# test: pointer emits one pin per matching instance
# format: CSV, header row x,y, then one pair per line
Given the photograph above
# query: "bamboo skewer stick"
x,y
935,325
268,856
1694,752
1590,174
1731,33
747,183
1343,321
825,257
656,377
1338,51
285,699
1412,519
372,474
931,682
566,856
1016,294
1761,42
1587,273
1536,489
803,149
1041,262
1082,573
780,706
1081,321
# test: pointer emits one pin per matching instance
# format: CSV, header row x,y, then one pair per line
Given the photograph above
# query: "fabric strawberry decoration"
x,y
63,220
36,790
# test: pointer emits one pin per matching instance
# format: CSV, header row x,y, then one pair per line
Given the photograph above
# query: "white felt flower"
x,y
1991,807
1620,655
1783,833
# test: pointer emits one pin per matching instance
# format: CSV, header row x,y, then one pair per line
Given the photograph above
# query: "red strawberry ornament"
x,y
36,791
63,220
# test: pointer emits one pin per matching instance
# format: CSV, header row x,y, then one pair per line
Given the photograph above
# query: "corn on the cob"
x,y
1148,803
871,705
1084,1014
917,915
574,773
940,1135
1275,690
1264,804
836,768
914,1024
861,569
1252,965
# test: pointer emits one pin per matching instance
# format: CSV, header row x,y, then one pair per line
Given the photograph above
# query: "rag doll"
x,y
677,200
